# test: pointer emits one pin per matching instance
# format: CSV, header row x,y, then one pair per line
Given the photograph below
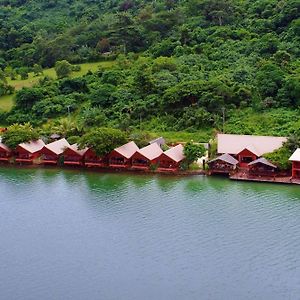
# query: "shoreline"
x,y
258,179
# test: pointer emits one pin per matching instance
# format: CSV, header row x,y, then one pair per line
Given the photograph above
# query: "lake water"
x,y
80,235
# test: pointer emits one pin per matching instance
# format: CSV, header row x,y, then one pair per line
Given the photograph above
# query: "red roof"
x,y
259,145
175,153
33,146
58,147
128,149
75,148
4,147
151,152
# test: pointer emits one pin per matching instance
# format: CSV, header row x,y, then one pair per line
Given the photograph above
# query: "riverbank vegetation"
x,y
196,67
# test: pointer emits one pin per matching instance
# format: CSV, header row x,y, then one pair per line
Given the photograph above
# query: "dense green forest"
x,y
178,65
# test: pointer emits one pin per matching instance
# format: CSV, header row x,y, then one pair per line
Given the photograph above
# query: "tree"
x,y
192,152
37,70
280,157
63,68
27,97
103,140
17,134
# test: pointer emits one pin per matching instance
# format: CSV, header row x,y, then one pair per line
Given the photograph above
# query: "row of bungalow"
x,y
245,152
128,156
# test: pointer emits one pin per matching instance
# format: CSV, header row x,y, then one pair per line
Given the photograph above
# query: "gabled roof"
x,y
263,161
160,141
226,158
127,150
58,147
33,146
175,153
151,151
4,147
295,156
75,149
259,145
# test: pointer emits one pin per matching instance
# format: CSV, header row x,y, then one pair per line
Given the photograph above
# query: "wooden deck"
x,y
244,176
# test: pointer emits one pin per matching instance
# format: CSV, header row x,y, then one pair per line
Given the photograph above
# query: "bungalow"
x,y
262,167
5,153
121,157
223,164
170,160
52,152
142,159
247,148
295,159
91,159
73,156
27,152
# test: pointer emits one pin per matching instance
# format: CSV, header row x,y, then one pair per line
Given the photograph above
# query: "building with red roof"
x,y
27,152
121,156
5,153
51,153
295,159
73,156
170,160
143,158
248,148
91,159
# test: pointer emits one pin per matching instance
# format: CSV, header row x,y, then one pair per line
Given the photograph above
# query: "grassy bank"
x,y
6,102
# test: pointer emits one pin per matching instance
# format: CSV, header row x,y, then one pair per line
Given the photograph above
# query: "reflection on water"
x,y
88,235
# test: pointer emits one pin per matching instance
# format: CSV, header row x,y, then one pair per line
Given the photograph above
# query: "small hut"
x,y
73,156
27,152
121,156
223,164
262,167
92,160
295,159
147,156
53,151
170,160
5,153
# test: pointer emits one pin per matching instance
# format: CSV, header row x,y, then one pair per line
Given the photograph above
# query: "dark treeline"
x,y
179,66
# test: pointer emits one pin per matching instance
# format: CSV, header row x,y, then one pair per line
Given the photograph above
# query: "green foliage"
x,y
193,151
179,64
103,140
280,158
17,134
63,69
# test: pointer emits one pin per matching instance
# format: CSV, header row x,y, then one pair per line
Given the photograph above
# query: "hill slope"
x,y
180,64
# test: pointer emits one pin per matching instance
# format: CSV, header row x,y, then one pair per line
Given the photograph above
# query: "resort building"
x,y
262,167
73,156
295,159
121,156
147,156
170,160
224,164
51,152
5,153
91,159
27,152
248,148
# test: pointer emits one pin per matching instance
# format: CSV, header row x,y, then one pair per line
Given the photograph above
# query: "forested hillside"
x,y
178,65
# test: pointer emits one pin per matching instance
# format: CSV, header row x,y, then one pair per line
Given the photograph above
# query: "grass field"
x,y
200,136
7,102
